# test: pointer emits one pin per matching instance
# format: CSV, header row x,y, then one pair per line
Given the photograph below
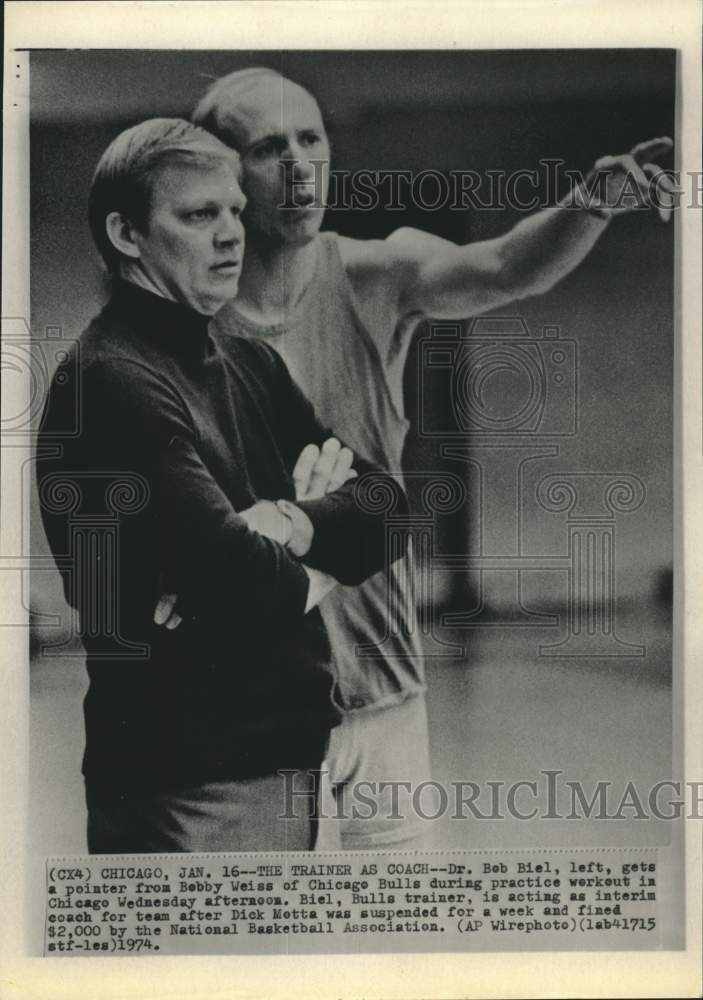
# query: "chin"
x,y
300,236
227,291
209,305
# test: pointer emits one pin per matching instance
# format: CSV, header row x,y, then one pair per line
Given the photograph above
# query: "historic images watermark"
x,y
547,795
524,190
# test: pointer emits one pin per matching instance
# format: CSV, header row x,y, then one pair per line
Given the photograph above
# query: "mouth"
x,y
300,201
227,268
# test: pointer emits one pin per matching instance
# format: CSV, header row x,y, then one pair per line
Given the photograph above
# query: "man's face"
x,y
285,162
193,247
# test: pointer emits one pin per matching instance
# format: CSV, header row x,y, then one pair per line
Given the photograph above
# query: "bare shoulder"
x,y
410,243
401,244
368,262
363,256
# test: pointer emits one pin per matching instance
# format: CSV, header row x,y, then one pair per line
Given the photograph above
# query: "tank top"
x,y
333,356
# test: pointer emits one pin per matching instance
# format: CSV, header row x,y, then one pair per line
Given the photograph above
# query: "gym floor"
x,y
501,713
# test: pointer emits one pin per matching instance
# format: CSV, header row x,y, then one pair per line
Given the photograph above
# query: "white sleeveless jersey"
x,y
333,356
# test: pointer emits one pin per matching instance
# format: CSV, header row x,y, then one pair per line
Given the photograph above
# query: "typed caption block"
x,y
454,901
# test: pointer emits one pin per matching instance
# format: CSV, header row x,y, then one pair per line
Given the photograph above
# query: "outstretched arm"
x,y
435,277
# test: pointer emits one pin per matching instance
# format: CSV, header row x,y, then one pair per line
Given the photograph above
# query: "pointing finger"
x,y
663,190
637,195
653,149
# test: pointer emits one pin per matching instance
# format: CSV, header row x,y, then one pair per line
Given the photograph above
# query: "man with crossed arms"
x,y
186,745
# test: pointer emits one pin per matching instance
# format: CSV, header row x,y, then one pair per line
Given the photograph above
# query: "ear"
x,y
121,234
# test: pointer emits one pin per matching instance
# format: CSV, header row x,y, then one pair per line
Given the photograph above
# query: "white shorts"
x,y
377,759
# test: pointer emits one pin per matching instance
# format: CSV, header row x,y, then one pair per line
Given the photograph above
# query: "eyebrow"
x,y
271,137
199,202
274,136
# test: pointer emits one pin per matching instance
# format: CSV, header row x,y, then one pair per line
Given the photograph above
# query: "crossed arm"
x,y
317,472
224,561
332,538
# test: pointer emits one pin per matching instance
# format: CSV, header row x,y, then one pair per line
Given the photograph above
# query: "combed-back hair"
x,y
126,172
218,110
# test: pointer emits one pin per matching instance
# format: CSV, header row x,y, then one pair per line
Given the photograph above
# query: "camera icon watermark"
x,y
499,379
29,363
90,506
503,403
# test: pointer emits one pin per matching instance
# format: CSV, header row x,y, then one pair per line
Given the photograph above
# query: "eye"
x,y
271,147
310,138
200,214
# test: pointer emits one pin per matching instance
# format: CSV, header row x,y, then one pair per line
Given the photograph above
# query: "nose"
x,y
296,160
230,231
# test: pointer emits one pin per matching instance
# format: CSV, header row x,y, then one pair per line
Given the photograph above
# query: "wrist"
x,y
267,520
598,212
580,199
301,528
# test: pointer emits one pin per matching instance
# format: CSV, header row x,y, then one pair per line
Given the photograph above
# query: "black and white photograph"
x,y
351,549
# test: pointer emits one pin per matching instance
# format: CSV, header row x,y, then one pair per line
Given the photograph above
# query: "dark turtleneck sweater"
x,y
198,426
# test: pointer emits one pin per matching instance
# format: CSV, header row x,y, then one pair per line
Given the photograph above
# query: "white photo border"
x,y
328,24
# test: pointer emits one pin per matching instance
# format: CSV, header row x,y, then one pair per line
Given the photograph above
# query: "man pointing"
x,y
341,313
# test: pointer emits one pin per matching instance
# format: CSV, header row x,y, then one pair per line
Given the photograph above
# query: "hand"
x,y
632,180
318,472
265,518
165,612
